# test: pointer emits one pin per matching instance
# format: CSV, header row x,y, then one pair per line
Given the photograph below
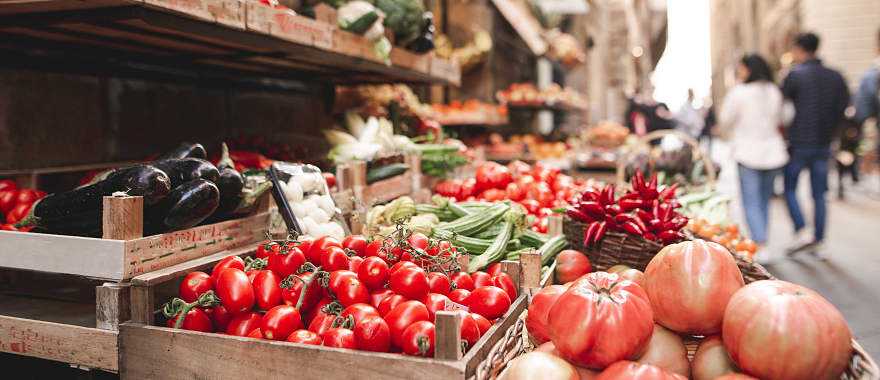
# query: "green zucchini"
x,y
385,172
533,239
362,23
473,246
552,248
476,223
496,250
514,255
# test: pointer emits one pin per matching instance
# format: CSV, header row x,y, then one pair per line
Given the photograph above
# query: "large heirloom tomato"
x,y
666,350
689,285
627,370
539,310
779,330
601,319
711,360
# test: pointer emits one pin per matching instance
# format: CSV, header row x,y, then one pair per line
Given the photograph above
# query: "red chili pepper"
x,y
670,236
589,233
589,195
630,195
609,195
653,184
592,208
679,222
638,181
630,204
578,215
623,218
650,236
600,232
632,228
613,209
669,191
639,223
644,215
665,212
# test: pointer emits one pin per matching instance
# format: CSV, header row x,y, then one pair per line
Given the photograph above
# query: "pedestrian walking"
x,y
750,118
820,96
867,100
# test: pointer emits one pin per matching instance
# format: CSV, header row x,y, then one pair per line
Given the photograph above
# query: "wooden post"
x,y
554,225
112,305
512,268
530,263
415,169
142,304
123,217
343,172
447,337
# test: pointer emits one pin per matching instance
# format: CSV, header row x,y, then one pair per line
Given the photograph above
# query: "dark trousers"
x,y
816,161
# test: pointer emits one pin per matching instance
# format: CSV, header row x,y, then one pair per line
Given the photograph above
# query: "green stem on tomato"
x,y
180,308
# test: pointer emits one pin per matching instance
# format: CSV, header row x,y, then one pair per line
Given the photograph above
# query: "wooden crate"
x,y
148,351
354,196
123,252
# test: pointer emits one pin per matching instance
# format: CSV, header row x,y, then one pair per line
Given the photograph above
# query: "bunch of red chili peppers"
x,y
646,210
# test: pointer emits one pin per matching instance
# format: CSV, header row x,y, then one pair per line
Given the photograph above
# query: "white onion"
x,y
292,190
319,215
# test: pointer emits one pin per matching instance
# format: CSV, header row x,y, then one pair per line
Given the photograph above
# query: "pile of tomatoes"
x,y
15,203
767,329
538,188
378,295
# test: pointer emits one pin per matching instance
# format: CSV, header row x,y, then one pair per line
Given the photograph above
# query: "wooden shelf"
x,y
485,119
545,106
202,38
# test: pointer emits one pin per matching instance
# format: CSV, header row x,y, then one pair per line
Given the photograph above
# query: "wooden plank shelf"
x,y
473,118
515,106
211,38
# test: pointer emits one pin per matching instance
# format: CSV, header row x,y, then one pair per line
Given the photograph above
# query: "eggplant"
x,y
78,212
230,183
189,204
186,150
182,170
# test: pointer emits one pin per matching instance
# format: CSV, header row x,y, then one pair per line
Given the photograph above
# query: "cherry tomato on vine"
x,y
242,324
373,272
286,261
318,309
376,297
334,258
349,290
196,320
220,317
389,303
373,248
266,248
481,279
494,269
359,312
193,285
373,334
459,296
462,280
418,240
439,283
354,263
280,321
266,290
321,323
489,301
470,330
319,247
304,337
403,315
292,286
355,243
482,323
235,290
339,337
418,339
400,265
411,283
505,282
227,262
435,302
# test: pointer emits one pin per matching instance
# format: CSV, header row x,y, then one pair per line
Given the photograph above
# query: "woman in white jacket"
x,y
751,116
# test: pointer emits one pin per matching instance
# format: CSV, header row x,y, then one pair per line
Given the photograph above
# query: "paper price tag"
x,y
452,306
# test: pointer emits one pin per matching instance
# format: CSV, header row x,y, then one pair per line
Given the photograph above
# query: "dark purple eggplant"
x,y
190,204
186,150
230,184
182,170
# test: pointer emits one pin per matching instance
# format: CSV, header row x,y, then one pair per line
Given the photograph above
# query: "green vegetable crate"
x,y
148,351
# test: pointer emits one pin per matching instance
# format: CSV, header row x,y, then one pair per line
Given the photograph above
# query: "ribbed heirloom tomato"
x,y
627,370
600,320
539,310
193,285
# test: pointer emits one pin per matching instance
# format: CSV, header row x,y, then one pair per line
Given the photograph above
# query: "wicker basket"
x,y
516,341
615,248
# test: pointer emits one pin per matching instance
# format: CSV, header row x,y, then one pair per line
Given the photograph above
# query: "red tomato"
x,y
459,296
439,283
519,168
505,282
666,350
336,278
220,317
18,213
7,184
542,193
196,320
358,312
411,283
561,182
349,290
27,196
435,302
514,192
483,323
227,262
7,200
468,189
449,188
492,175
304,337
531,205
304,244
389,303
267,291
481,279
536,318
418,339
689,285
255,333
594,308
402,316
334,258
493,195
266,248
321,323
292,286
8,227
571,265
354,263
318,248
711,360
374,248
489,301
373,334
494,269
235,290
470,329
356,244
312,312
286,261
193,285
627,370
462,280
418,240
280,321
330,179
377,296
541,225
340,338
778,330
242,324
401,265
373,272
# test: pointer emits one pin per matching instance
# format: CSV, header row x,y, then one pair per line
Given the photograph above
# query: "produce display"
x,y
646,210
374,295
308,196
708,211
470,55
470,111
612,325
527,95
15,204
606,134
